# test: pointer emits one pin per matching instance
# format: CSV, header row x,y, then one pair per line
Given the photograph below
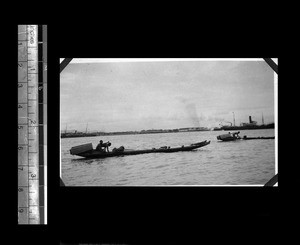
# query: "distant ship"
x,y
250,125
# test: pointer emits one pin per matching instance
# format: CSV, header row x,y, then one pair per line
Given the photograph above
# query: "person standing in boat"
x,y
106,145
236,135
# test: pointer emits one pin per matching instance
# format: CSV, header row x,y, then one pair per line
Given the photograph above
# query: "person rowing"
x,y
103,146
236,135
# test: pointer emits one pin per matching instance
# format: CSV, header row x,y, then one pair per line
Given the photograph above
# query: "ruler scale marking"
x,y
31,184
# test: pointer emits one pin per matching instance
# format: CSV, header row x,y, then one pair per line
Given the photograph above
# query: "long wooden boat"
x,y
92,153
258,138
235,136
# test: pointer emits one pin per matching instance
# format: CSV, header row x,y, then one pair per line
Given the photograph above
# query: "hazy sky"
x,y
121,96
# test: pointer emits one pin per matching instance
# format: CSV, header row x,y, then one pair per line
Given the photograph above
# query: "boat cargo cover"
x,y
81,148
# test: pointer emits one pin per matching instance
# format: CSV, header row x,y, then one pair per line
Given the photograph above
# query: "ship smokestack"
x,y
250,121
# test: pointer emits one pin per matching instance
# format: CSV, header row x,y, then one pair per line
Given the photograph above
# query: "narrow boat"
x,y
87,150
235,136
257,138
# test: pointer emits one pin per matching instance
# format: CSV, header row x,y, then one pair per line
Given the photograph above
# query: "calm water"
x,y
250,162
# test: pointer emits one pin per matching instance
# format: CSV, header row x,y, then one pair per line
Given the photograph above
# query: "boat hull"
x,y
258,138
98,154
234,136
229,137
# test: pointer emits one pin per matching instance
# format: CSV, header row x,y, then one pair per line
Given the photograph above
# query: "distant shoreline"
x,y
75,135
80,134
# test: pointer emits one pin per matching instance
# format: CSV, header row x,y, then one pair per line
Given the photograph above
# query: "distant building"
x,y
154,131
69,131
192,129
183,129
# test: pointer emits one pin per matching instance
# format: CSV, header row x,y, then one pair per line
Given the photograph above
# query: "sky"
x,y
124,96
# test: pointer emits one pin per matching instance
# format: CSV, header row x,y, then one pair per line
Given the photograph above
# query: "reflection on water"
x,y
250,162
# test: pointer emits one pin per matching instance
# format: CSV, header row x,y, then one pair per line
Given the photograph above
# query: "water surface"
x,y
250,162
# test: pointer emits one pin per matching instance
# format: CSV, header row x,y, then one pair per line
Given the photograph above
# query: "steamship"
x,y
251,125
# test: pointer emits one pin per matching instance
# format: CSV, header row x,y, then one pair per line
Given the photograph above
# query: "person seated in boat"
x,y
120,149
100,146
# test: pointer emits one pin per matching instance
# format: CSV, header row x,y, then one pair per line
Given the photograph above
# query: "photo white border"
x,y
112,60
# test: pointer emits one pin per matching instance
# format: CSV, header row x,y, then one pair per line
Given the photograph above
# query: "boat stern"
x,y
81,149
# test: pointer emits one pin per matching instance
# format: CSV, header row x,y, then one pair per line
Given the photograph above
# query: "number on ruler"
x,y
31,36
19,106
20,85
20,168
20,127
20,189
20,148
32,121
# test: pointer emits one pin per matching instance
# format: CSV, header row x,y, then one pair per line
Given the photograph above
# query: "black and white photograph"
x,y
140,133
168,122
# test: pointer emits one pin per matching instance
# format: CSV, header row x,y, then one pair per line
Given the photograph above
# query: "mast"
x,y
262,119
233,119
66,128
86,127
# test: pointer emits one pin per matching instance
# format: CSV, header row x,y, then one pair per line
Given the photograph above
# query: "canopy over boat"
x,y
87,150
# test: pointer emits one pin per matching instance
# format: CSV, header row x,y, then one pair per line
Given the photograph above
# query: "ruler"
x,y
32,78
